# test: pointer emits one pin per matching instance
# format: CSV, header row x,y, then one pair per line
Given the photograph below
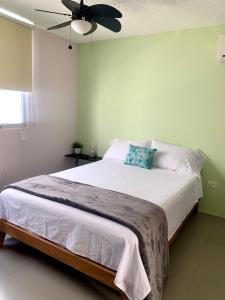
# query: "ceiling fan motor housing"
x,y
82,14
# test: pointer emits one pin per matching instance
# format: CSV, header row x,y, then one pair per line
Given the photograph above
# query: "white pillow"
x,y
175,158
120,147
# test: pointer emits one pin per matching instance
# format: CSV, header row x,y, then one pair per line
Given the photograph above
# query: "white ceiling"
x,y
139,16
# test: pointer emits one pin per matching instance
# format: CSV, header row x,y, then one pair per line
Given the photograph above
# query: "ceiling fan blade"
x,y
94,27
71,5
60,25
103,10
109,23
52,12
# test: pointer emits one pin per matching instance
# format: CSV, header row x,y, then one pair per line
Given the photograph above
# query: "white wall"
x,y
51,136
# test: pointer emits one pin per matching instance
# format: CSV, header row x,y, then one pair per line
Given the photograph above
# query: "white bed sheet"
x,y
99,239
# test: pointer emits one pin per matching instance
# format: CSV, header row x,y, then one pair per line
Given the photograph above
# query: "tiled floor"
x,y
197,269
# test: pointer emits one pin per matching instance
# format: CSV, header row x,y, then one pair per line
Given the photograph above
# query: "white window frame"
x,y
24,107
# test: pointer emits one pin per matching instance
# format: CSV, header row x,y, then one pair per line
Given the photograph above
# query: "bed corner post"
x,y
2,238
123,296
196,208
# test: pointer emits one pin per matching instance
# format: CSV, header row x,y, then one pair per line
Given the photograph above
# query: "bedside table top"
x,y
83,156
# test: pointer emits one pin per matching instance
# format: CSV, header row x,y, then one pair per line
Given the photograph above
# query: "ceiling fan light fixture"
x,y
81,26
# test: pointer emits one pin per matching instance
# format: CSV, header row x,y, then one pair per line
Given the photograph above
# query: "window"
x,y
13,108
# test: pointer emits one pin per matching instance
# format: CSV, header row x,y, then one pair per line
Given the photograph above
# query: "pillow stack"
x,y
119,148
146,154
176,158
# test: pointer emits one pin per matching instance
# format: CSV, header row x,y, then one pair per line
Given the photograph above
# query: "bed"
x,y
100,248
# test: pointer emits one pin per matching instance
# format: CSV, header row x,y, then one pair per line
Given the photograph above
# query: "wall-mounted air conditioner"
x,y
221,48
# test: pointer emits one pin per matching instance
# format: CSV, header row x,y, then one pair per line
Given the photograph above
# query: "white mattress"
x,y
99,239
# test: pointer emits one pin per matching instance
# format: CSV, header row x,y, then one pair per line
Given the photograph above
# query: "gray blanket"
x,y
145,219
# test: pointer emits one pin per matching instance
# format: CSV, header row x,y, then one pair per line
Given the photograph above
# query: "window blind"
x,y
15,56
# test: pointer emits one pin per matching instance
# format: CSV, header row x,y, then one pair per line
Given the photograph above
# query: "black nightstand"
x,y
86,157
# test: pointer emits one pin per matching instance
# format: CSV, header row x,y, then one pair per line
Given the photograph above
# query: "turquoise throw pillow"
x,y
140,157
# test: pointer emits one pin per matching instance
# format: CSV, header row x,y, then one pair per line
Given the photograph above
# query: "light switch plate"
x,y
23,135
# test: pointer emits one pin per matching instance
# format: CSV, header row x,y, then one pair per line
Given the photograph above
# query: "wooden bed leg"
x,y
2,238
196,209
123,296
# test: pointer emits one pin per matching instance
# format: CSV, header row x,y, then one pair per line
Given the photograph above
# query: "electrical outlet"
x,y
212,184
23,135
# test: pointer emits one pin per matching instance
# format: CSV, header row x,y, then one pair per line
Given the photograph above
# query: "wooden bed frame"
x,y
84,265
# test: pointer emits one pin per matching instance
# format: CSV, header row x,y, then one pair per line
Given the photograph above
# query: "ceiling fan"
x,y
84,19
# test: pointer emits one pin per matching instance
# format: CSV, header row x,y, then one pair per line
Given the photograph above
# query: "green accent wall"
x,y
166,86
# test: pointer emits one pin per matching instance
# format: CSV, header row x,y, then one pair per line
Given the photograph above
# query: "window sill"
x,y
19,127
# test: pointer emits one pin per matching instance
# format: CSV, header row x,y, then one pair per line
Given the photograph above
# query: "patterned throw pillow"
x,y
140,156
